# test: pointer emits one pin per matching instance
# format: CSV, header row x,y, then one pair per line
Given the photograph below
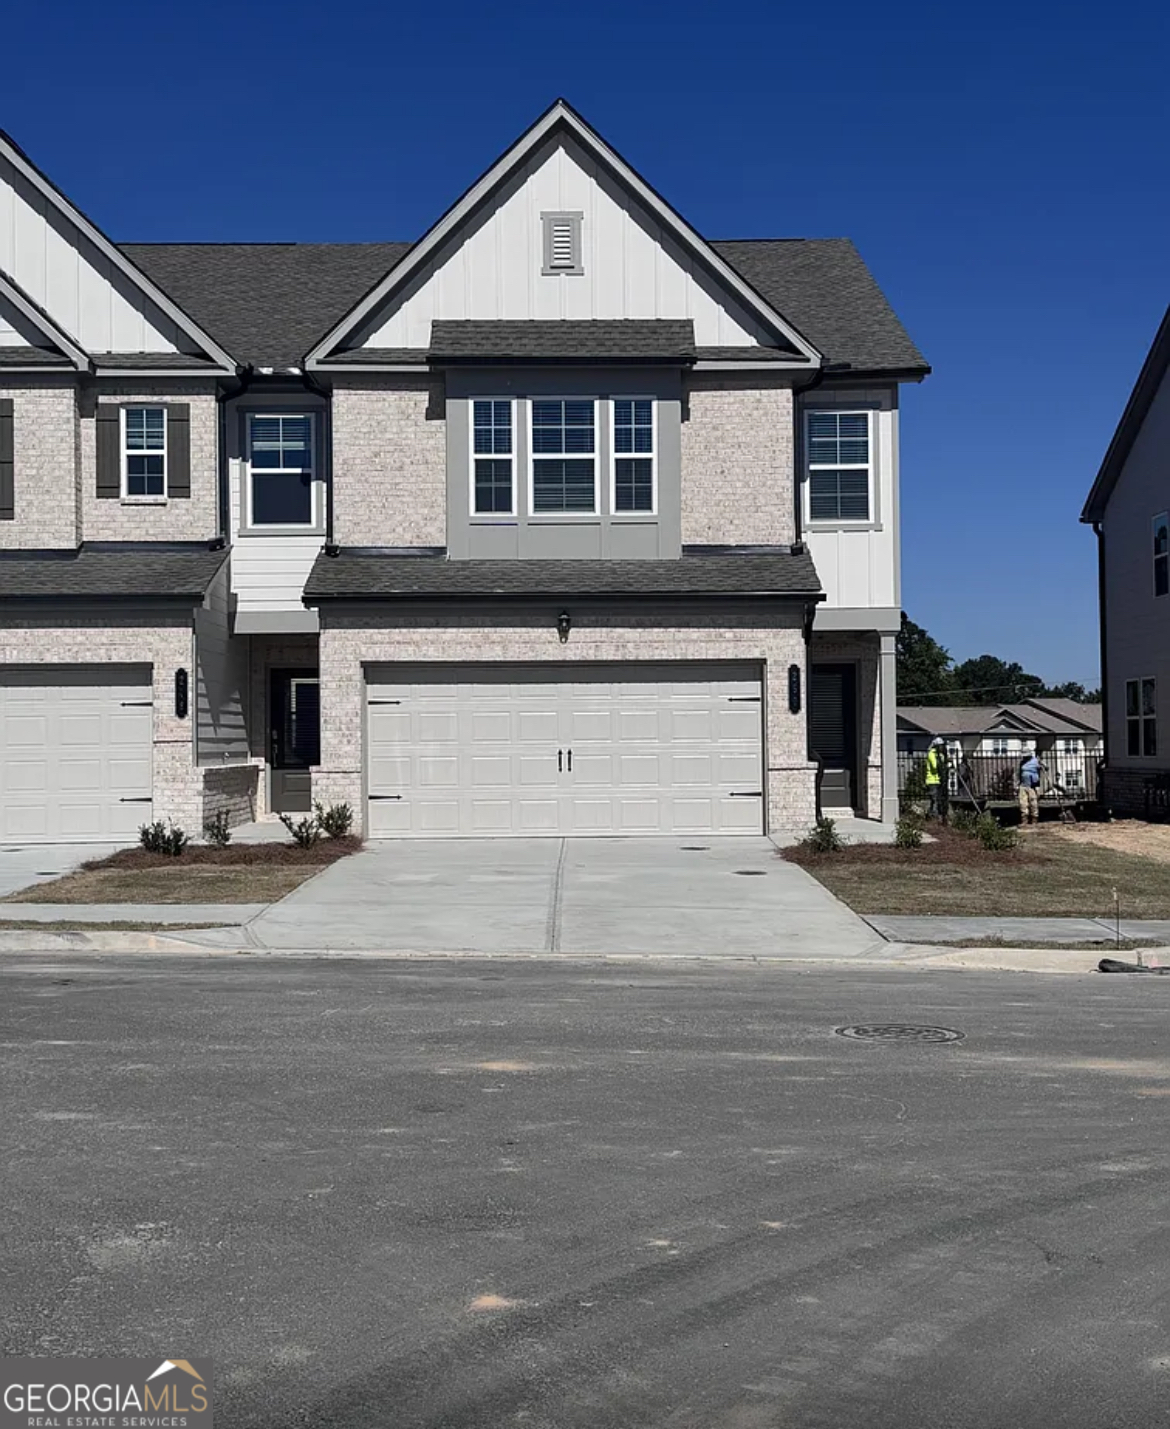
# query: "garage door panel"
x,y
438,771
26,732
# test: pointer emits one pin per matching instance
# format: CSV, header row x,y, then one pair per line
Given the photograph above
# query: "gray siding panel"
x,y
221,681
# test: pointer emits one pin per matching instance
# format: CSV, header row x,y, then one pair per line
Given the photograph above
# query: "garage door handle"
x,y
138,799
746,794
744,699
385,796
570,761
384,702
560,761
137,704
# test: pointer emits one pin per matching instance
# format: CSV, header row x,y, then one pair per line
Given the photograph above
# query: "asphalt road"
x,y
469,1195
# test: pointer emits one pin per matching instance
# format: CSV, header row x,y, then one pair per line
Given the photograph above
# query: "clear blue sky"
x,y
1002,167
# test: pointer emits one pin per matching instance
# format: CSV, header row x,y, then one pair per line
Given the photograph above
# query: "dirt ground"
x,y
1122,835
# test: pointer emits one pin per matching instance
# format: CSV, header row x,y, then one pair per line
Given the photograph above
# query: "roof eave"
x,y
36,315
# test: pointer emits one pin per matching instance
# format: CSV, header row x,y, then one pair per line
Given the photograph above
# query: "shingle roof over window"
x,y
372,575
32,357
110,572
564,341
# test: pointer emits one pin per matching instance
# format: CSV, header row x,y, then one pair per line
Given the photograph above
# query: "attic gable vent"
x,y
562,243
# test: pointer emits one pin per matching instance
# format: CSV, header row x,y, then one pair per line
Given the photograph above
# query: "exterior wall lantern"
x,y
794,689
182,701
564,625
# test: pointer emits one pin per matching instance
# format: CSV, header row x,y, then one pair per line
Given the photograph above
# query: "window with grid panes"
x,y
839,467
564,455
493,457
633,446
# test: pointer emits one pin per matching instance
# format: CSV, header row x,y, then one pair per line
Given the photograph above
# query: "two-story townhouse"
x,y
561,520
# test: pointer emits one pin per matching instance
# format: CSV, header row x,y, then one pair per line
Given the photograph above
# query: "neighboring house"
x,y
563,520
1129,508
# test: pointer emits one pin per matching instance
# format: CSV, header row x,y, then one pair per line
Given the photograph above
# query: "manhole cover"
x,y
899,1032
751,872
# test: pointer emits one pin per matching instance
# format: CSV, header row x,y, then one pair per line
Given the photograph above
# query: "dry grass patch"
x,y
243,873
1049,875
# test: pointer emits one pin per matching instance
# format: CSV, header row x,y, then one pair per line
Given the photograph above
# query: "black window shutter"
x,y
178,449
109,455
7,479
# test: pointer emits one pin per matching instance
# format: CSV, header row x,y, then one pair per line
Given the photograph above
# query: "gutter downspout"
x,y
1102,621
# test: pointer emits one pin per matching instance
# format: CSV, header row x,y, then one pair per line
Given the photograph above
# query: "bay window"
x,y
633,459
564,455
493,475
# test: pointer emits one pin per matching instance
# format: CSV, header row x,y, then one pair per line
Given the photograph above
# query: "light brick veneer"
x,y
389,462
862,648
737,462
348,642
231,789
45,463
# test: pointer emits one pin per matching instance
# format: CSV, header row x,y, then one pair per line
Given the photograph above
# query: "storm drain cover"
x,y
899,1032
751,872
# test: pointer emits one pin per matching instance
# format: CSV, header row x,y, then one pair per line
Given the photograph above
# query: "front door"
x,y
833,732
294,739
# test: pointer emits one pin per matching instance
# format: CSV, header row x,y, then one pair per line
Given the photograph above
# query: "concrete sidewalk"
x,y
224,914
1024,932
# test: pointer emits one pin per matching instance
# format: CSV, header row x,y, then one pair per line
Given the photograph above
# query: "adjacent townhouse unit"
x,y
560,520
1129,509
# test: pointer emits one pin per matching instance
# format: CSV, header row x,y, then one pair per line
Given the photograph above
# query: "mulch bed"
x,y
325,851
949,848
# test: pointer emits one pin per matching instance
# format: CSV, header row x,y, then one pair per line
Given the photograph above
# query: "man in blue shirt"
x,y
1030,771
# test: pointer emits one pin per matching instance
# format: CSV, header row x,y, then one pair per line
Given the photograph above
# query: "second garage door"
x,y
529,750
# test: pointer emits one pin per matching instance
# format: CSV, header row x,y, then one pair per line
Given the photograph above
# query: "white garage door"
x,y
75,746
601,749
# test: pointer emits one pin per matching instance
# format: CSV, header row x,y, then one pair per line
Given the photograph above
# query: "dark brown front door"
x,y
832,706
294,738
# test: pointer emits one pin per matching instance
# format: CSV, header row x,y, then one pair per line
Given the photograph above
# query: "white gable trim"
x,y
108,250
562,114
43,323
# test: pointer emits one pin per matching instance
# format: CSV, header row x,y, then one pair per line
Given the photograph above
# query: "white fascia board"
x,y
370,367
518,154
114,254
43,323
176,371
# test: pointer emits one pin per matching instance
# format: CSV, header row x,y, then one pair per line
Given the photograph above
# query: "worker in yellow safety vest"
x,y
936,777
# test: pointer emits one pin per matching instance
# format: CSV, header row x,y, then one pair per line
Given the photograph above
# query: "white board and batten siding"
x,y
62,271
75,753
268,568
221,680
632,269
587,750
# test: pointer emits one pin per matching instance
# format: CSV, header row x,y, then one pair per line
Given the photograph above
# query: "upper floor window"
x,y
561,235
1141,717
493,458
1162,554
840,471
564,455
281,469
633,461
144,451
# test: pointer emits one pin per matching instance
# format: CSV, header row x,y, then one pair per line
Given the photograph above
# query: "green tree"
x,y
988,680
924,667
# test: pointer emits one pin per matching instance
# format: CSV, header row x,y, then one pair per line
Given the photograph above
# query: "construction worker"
x,y
1031,771
936,776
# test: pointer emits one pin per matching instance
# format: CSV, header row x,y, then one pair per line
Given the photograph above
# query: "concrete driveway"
x,y
22,865
722,897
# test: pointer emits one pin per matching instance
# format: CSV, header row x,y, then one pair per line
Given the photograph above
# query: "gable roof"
x,y
20,161
1145,389
561,117
66,350
1040,716
1072,711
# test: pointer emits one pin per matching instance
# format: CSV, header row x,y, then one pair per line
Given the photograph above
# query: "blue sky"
x,y
1002,167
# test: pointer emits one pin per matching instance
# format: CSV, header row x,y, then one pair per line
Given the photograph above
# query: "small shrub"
x,y
908,832
993,836
305,832
964,821
165,838
217,830
823,837
336,820
914,790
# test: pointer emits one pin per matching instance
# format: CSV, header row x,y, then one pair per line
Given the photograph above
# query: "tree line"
x,y
927,675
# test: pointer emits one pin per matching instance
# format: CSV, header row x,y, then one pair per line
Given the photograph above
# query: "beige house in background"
x,y
560,520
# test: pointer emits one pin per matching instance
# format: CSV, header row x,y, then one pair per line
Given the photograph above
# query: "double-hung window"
x,y
1141,717
840,468
493,458
1162,554
564,455
280,469
144,452
633,454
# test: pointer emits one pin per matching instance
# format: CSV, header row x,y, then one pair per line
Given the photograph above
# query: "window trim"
x,y
868,522
1164,557
548,220
615,455
1141,719
124,453
490,516
533,457
286,528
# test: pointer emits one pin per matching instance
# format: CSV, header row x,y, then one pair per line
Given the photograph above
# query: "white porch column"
x,y
888,677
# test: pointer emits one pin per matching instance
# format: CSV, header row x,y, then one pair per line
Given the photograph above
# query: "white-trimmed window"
x,y
1141,717
493,460
281,469
144,452
634,455
840,468
564,455
1162,554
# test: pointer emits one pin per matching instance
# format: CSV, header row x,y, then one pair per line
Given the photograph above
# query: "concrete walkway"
x,y
1023,932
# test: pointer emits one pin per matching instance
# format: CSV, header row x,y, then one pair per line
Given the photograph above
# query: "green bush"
x,y
964,821
165,838
217,830
908,832
336,820
993,836
914,790
305,832
823,837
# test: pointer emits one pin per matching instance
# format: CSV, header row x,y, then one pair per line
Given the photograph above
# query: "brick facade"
x,y
232,790
389,462
737,462
1124,793
45,463
347,642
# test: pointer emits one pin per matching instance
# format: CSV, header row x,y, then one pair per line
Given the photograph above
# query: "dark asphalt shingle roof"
x,y
269,303
360,575
647,340
115,571
32,357
161,360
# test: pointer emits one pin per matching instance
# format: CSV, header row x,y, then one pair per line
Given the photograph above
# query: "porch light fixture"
x,y
794,689
564,625
181,694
